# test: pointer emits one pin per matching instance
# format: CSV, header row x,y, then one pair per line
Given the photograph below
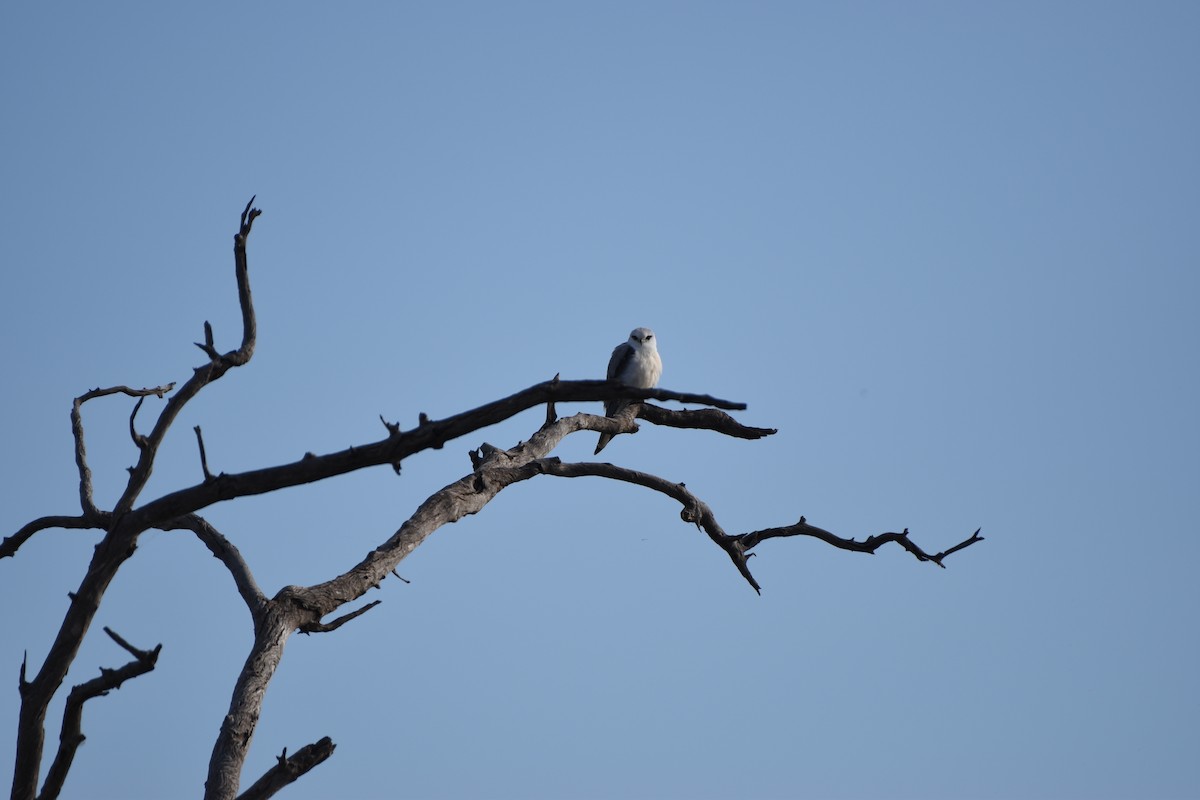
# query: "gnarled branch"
x,y
85,473
123,530
868,545
72,728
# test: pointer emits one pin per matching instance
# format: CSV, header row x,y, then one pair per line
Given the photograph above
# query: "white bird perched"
x,y
634,362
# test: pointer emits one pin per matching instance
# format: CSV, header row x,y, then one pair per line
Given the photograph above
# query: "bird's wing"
x,y
622,354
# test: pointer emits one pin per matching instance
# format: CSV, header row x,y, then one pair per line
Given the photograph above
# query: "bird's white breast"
x,y
643,370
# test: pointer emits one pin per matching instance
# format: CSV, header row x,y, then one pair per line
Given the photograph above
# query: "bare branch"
x,y
695,510
121,540
393,428
704,418
72,728
225,552
202,376
289,769
326,627
431,434
493,469
10,544
551,412
138,440
208,476
209,349
85,472
869,545
738,547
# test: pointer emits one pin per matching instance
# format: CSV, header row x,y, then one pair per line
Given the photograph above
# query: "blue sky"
x,y
948,249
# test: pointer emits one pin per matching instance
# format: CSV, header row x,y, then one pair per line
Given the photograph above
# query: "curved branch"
x,y
495,469
695,510
225,552
202,376
85,473
10,544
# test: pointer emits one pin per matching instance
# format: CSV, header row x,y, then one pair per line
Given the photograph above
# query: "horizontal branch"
x,y
868,545
10,544
704,418
429,435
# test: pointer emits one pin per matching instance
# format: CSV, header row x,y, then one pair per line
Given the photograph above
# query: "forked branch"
x,y
86,500
72,728
122,530
738,547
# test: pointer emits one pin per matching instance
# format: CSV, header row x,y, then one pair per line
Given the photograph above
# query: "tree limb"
x,y
10,544
288,769
123,530
326,627
868,545
85,473
738,547
430,435
695,510
225,552
704,418
72,727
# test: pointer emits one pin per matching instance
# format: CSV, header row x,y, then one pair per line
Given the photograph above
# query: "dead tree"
x,y
311,609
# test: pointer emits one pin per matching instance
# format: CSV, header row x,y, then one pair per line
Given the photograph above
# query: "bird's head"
x,y
642,337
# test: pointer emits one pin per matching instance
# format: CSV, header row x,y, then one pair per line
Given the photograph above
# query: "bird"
x,y
634,362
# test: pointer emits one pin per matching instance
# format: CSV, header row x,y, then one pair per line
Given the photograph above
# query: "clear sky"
x,y
948,249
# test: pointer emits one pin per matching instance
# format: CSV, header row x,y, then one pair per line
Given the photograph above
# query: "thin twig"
x,y
208,476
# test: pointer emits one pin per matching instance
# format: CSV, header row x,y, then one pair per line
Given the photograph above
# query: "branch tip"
x,y
393,428
208,476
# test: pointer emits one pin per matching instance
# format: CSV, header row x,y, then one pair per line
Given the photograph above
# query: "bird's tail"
x,y
611,409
